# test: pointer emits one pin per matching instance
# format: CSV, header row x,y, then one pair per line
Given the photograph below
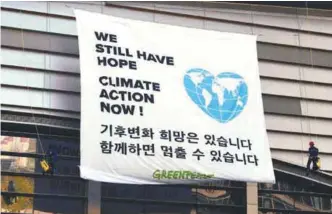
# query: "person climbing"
x,y
313,157
51,158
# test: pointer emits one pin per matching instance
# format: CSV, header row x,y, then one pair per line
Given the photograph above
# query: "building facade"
x,y
40,109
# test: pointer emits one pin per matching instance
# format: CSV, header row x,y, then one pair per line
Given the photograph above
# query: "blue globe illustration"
x,y
222,97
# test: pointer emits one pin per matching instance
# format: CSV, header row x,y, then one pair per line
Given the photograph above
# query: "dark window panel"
x,y
281,105
43,185
289,202
178,193
32,165
286,182
152,208
30,145
45,132
42,205
68,148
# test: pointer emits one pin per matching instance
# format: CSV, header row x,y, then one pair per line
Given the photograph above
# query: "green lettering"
x,y
182,175
176,174
156,174
170,174
164,174
188,175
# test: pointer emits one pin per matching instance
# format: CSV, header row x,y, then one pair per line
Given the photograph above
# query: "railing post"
x,y
252,198
94,197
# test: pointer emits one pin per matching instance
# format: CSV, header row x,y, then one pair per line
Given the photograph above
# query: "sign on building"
x,y
166,104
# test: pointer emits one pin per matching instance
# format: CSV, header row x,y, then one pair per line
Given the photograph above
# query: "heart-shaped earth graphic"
x,y
222,97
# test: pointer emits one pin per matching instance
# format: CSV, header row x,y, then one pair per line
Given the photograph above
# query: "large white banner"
x,y
166,104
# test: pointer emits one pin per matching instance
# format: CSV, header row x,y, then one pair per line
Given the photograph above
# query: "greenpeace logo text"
x,y
179,175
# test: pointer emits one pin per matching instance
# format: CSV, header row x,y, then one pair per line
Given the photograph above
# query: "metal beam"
x,y
43,195
265,210
37,156
40,175
173,203
301,193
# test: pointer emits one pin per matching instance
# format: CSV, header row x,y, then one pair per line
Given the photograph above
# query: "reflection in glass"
x,y
61,147
288,202
216,196
286,182
30,145
173,193
17,164
216,210
18,144
47,206
219,196
21,145
152,192
16,184
110,207
32,165
44,185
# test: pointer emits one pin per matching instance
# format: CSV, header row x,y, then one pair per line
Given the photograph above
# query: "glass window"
x,y
18,144
43,185
286,182
160,192
305,202
43,205
219,196
30,184
32,165
30,145
18,164
23,145
217,210
175,193
62,147
16,204
111,207
153,208
314,202
260,212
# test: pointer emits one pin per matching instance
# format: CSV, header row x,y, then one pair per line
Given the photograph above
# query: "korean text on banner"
x,y
165,104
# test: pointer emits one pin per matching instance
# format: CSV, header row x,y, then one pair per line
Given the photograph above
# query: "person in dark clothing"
x,y
51,158
313,157
9,200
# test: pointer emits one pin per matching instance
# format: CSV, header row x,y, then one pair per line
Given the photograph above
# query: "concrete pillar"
x,y
252,198
94,197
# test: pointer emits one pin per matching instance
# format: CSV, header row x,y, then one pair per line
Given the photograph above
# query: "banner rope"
x,y
313,81
50,62
312,66
300,73
29,90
